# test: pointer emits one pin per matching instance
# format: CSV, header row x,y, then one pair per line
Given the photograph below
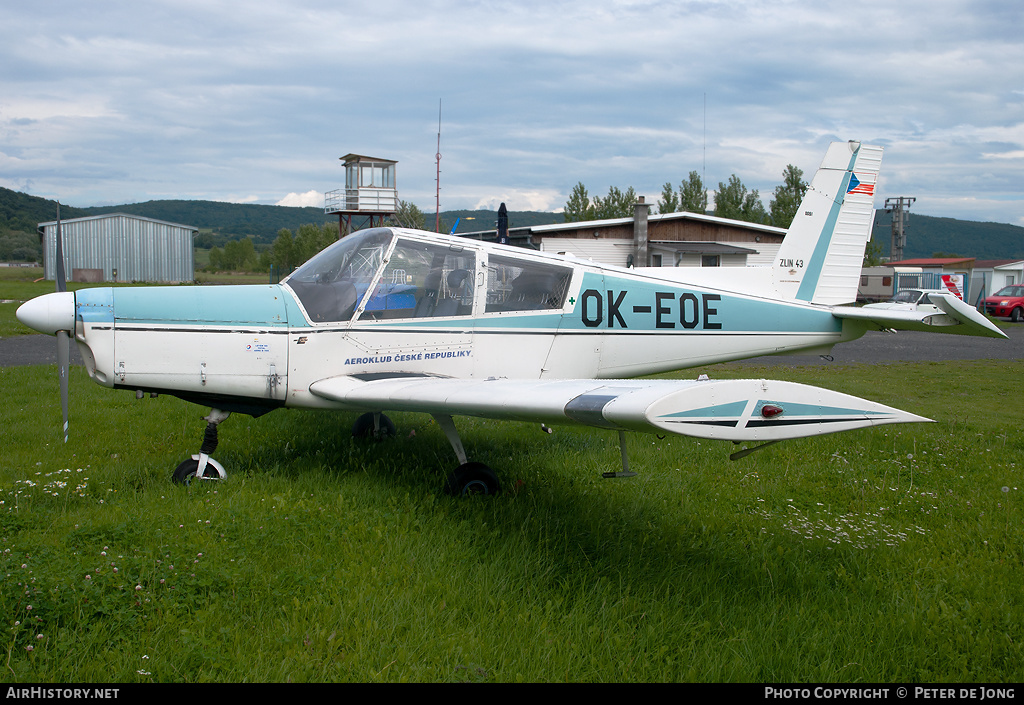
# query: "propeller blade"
x,y
63,337
63,365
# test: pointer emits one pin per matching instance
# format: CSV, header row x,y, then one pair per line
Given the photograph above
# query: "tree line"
x,y
289,249
732,200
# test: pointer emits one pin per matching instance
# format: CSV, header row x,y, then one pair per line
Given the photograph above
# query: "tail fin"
x,y
821,257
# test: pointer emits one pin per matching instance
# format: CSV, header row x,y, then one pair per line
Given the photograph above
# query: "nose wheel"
x,y
202,466
190,470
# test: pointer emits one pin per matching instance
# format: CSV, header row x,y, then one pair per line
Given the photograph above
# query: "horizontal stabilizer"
x,y
957,317
732,410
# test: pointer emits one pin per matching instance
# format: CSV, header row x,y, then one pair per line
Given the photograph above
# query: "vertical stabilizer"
x,y
821,257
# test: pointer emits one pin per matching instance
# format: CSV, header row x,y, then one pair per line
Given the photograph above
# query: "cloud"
x,y
302,200
213,100
521,200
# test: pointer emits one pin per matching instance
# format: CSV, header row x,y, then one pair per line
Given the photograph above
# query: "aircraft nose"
x,y
49,313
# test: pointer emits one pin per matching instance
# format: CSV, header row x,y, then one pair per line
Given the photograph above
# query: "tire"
x,y
1017,315
363,427
472,479
186,472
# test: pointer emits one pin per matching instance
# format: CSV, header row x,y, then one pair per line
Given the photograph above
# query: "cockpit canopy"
x,y
380,274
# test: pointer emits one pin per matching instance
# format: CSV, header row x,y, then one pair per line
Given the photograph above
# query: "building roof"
x,y
992,263
933,262
702,248
363,158
549,229
64,221
553,229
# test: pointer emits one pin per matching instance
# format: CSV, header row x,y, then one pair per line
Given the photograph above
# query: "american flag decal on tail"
x,y
856,186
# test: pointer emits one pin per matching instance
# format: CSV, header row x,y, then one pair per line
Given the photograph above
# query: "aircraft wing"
x,y
733,410
956,317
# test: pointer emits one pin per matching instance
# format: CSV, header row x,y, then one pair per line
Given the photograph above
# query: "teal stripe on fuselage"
x,y
95,305
608,303
547,322
240,306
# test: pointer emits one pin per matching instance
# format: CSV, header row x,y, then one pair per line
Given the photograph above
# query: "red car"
x,y
1008,301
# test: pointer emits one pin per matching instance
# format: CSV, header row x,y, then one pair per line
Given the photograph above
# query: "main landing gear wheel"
x,y
366,426
189,469
472,478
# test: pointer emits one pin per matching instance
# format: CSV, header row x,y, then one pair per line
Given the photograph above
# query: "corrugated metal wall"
x,y
604,250
126,248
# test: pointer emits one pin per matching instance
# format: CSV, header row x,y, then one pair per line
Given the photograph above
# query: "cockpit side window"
x,y
423,280
332,283
907,296
522,285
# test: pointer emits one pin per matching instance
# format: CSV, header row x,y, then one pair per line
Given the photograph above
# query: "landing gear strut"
x,y
468,478
625,472
202,466
373,425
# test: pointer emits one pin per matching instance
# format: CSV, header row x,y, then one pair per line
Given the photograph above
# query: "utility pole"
x,y
899,209
437,203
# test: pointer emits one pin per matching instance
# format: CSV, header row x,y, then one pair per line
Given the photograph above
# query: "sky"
x,y
107,103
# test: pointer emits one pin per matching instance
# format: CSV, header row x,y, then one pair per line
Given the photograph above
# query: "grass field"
x,y
884,555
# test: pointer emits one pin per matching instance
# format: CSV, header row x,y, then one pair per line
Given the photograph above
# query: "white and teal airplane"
x,y
405,320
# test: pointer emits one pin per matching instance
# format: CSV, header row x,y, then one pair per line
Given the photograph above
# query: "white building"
x,y
665,240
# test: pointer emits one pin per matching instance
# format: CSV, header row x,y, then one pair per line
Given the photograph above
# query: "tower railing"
x,y
369,200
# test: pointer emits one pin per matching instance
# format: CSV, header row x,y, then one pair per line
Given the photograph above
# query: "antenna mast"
x,y
437,204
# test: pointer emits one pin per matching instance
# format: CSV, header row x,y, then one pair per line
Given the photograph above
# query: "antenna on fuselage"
x,y
503,225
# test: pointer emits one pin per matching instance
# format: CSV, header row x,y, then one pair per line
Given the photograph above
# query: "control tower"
x,y
369,192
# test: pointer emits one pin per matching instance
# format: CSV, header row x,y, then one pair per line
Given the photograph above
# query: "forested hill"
x,y
926,235
475,220
19,211
262,223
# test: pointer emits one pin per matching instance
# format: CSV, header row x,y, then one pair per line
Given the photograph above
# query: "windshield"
x,y
1011,291
331,283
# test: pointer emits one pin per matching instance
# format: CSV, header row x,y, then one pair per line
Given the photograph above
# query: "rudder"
x,y
821,257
